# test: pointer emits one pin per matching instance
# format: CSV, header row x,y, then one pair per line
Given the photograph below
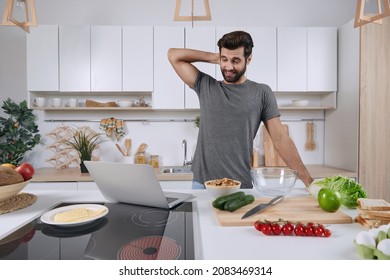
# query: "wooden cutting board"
x,y
294,209
271,156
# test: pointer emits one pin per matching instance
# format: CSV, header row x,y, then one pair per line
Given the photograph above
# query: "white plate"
x,y
48,217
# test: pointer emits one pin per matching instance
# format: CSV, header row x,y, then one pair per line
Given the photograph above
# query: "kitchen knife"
x,y
261,207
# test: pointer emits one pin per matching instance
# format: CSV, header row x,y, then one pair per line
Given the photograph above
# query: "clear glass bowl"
x,y
273,181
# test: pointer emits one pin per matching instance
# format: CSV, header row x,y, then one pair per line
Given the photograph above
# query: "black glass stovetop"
x,y
127,232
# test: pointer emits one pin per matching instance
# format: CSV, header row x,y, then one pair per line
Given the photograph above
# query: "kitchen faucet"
x,y
186,163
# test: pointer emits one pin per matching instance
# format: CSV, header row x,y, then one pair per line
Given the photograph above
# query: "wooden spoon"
x,y
120,149
128,146
312,142
142,148
308,137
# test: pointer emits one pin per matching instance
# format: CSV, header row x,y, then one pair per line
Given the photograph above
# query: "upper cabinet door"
x,y
75,58
200,38
322,59
168,87
262,68
137,58
106,58
292,59
42,58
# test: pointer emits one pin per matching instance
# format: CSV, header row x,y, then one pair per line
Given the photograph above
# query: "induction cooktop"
x,y
127,232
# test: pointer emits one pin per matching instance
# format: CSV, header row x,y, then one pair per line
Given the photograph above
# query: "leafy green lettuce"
x,y
349,190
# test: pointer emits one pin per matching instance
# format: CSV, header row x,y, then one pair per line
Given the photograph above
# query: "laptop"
x,y
132,184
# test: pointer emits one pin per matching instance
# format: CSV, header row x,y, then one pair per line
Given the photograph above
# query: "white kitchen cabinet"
x,y
262,68
42,58
137,43
200,38
292,59
168,87
106,58
307,59
322,59
75,58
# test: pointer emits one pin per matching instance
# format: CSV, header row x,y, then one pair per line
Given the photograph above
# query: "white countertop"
x,y
214,242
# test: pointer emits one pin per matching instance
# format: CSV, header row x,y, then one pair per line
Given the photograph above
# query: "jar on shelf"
x,y
140,158
154,161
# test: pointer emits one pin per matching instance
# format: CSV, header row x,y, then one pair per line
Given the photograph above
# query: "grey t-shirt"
x,y
230,117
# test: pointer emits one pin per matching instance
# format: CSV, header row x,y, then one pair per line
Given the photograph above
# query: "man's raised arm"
x,y
182,59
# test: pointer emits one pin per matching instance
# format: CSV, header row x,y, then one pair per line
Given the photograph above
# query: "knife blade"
x,y
262,206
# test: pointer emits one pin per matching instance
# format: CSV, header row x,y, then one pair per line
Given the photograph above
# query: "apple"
x,y
26,170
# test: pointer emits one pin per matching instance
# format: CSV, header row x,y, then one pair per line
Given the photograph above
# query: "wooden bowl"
x,y
8,191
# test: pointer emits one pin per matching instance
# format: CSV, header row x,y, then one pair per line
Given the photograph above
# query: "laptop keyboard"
x,y
171,199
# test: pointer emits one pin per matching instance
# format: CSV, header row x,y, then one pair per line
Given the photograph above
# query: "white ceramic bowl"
x,y
300,103
273,181
123,103
10,190
217,190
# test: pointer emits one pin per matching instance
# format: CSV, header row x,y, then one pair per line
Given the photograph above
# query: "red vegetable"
x,y
288,228
26,170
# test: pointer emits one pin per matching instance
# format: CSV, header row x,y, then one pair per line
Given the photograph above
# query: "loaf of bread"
x,y
9,176
373,212
370,223
373,204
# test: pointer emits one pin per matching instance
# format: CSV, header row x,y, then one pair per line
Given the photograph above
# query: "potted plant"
x,y
85,142
197,122
18,132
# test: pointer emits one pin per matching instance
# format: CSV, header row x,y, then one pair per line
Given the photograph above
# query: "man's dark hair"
x,y
236,39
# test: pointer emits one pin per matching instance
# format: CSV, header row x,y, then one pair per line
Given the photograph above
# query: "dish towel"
x,y
113,128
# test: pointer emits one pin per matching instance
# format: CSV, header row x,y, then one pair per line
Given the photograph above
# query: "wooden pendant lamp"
x,y
30,18
361,17
192,17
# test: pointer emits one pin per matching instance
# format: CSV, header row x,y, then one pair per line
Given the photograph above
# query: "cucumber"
x,y
219,203
234,204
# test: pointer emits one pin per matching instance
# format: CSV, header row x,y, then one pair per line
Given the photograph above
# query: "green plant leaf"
x,y
84,142
18,131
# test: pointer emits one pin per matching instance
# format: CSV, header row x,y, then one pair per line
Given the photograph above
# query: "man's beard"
x,y
235,77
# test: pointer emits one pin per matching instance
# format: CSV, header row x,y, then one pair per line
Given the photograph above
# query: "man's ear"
x,y
249,59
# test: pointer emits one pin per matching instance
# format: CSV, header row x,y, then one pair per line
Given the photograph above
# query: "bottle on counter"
x,y
140,158
154,161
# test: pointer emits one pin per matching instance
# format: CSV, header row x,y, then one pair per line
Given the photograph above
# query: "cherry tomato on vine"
x,y
258,225
287,229
299,230
276,229
327,232
266,229
308,231
318,231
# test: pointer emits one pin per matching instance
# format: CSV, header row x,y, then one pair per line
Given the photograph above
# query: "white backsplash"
x,y
165,138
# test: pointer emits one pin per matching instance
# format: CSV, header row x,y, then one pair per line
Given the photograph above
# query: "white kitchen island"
x,y
212,241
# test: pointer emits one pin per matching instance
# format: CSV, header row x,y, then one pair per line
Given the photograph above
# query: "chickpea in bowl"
x,y
220,187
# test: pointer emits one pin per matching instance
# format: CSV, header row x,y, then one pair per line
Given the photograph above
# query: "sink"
x,y
176,170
